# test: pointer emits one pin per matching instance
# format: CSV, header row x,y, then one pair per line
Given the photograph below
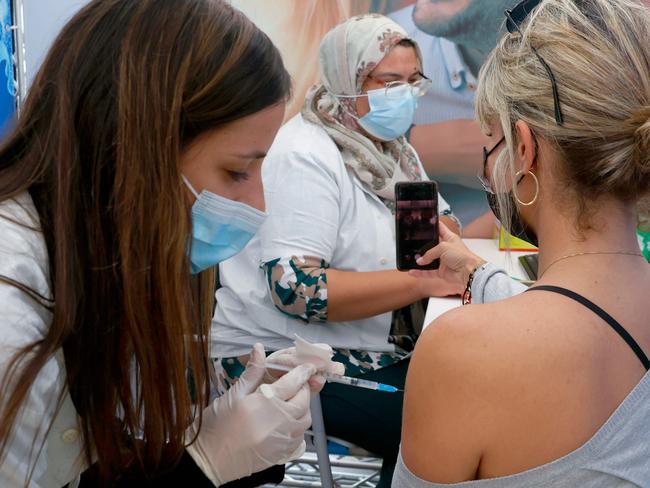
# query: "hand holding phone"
x,y
456,261
416,222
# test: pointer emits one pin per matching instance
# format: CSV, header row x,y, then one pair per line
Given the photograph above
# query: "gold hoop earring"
x,y
514,189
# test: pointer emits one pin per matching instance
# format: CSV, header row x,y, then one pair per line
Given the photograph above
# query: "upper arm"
x,y
298,287
443,434
449,147
24,321
299,238
303,205
20,325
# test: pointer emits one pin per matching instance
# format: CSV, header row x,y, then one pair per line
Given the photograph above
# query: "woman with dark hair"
x,y
133,170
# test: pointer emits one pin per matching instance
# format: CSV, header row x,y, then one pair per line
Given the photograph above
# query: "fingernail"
x,y
419,261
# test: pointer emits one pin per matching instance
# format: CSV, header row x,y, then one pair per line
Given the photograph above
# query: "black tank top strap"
x,y
603,315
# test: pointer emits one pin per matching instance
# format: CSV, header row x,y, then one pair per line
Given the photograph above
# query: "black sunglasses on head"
x,y
483,178
519,13
514,18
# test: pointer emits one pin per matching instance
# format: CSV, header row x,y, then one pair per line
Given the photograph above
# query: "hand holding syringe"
x,y
320,355
345,380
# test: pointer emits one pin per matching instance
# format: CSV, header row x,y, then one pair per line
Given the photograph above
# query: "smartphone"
x,y
416,222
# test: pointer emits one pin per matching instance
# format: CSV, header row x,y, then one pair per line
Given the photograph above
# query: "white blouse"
x,y
316,207
23,258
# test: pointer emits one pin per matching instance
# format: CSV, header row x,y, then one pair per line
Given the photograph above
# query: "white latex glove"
x,y
254,426
320,355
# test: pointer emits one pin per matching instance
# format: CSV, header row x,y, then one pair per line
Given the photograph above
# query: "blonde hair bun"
x,y
599,53
640,123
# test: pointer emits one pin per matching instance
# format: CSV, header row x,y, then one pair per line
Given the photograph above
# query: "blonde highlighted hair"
x,y
599,52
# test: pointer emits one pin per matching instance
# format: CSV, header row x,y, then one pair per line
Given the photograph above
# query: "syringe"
x,y
346,380
352,381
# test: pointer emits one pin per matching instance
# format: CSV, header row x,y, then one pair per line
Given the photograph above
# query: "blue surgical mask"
x,y
220,228
391,112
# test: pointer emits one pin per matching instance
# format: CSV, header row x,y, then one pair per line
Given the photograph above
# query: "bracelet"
x,y
467,294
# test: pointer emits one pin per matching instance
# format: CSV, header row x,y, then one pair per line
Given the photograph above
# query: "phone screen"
x,y
416,221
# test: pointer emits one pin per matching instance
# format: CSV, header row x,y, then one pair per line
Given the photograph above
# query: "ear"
x,y
526,149
361,103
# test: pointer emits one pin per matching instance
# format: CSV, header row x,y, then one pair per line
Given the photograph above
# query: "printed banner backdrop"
x,y
446,138
297,27
454,37
7,74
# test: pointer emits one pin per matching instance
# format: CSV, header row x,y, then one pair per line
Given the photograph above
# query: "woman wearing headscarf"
x,y
323,265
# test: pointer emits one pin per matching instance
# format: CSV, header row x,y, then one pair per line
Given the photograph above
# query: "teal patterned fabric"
x,y
361,362
298,287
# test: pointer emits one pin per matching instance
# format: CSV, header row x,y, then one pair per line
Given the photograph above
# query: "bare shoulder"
x,y
463,333
442,414
460,378
502,326
480,341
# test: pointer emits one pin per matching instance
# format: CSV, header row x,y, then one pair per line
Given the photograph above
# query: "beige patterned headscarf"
x,y
348,54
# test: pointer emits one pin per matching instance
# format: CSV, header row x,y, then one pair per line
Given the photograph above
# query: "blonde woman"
x,y
549,387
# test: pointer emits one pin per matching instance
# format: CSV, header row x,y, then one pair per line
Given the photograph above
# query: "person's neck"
x,y
613,231
473,58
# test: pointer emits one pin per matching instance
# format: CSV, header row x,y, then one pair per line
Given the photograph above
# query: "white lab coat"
x,y
317,207
23,258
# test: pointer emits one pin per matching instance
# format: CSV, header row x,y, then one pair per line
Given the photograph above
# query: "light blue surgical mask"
x,y
391,112
220,228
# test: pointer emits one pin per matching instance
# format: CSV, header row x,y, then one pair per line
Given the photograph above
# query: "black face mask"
x,y
518,228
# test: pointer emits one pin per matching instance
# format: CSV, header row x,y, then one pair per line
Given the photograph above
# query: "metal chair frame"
x,y
319,468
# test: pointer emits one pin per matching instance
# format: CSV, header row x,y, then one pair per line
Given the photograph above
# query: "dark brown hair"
x,y
126,86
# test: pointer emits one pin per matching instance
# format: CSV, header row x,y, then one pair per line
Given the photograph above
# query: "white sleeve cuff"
x,y
492,283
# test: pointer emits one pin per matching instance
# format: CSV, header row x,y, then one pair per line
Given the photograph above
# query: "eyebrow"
x,y
251,155
398,75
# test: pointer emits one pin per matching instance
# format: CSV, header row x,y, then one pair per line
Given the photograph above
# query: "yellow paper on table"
x,y
507,241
